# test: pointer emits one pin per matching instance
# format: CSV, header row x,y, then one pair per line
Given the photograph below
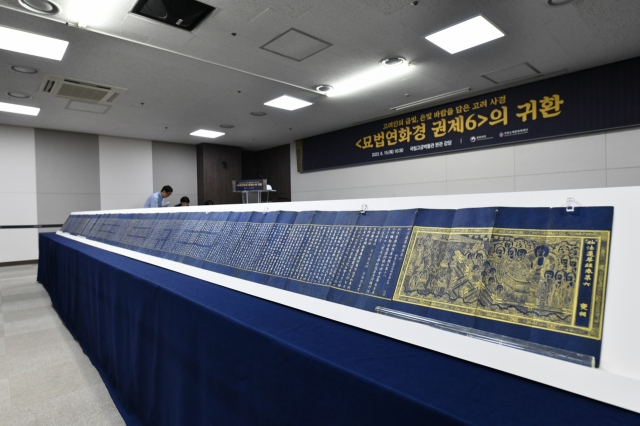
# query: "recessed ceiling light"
x,y
393,62
324,88
40,6
467,34
24,70
288,103
32,44
372,77
18,95
211,134
258,113
227,126
559,2
19,109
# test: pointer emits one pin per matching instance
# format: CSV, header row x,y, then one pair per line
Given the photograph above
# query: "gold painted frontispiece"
x,y
518,276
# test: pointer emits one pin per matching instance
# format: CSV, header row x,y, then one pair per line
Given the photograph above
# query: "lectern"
x,y
252,189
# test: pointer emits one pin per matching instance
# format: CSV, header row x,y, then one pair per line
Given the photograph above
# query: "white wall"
x,y
130,170
175,164
18,193
68,175
126,172
597,160
45,174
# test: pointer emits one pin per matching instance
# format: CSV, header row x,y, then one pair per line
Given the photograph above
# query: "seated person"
x,y
184,202
208,203
157,199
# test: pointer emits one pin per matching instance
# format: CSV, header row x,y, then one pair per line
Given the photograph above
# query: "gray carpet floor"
x,y
45,378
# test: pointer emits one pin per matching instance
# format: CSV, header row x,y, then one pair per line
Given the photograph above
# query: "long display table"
x,y
175,350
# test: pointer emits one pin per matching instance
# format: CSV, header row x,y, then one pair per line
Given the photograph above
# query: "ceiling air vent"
x,y
82,91
184,14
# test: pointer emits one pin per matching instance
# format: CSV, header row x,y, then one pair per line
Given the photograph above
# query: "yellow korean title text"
x,y
414,129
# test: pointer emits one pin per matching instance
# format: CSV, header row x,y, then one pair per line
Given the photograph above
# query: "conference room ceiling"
x,y
179,81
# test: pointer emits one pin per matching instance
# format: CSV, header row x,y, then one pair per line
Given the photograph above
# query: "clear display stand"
x,y
573,357
249,197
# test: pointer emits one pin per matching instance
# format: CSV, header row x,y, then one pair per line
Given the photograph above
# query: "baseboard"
x,y
21,262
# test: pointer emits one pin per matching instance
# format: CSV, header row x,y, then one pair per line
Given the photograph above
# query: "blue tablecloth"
x,y
180,351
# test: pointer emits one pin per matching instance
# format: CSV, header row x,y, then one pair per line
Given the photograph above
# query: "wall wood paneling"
x,y
217,166
273,165
250,165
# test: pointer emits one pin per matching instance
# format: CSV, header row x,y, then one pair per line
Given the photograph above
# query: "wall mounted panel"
x,y
126,172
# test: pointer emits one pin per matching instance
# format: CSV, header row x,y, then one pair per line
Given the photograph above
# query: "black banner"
x,y
600,98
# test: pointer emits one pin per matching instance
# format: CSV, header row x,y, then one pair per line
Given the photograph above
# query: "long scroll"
x,y
533,274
